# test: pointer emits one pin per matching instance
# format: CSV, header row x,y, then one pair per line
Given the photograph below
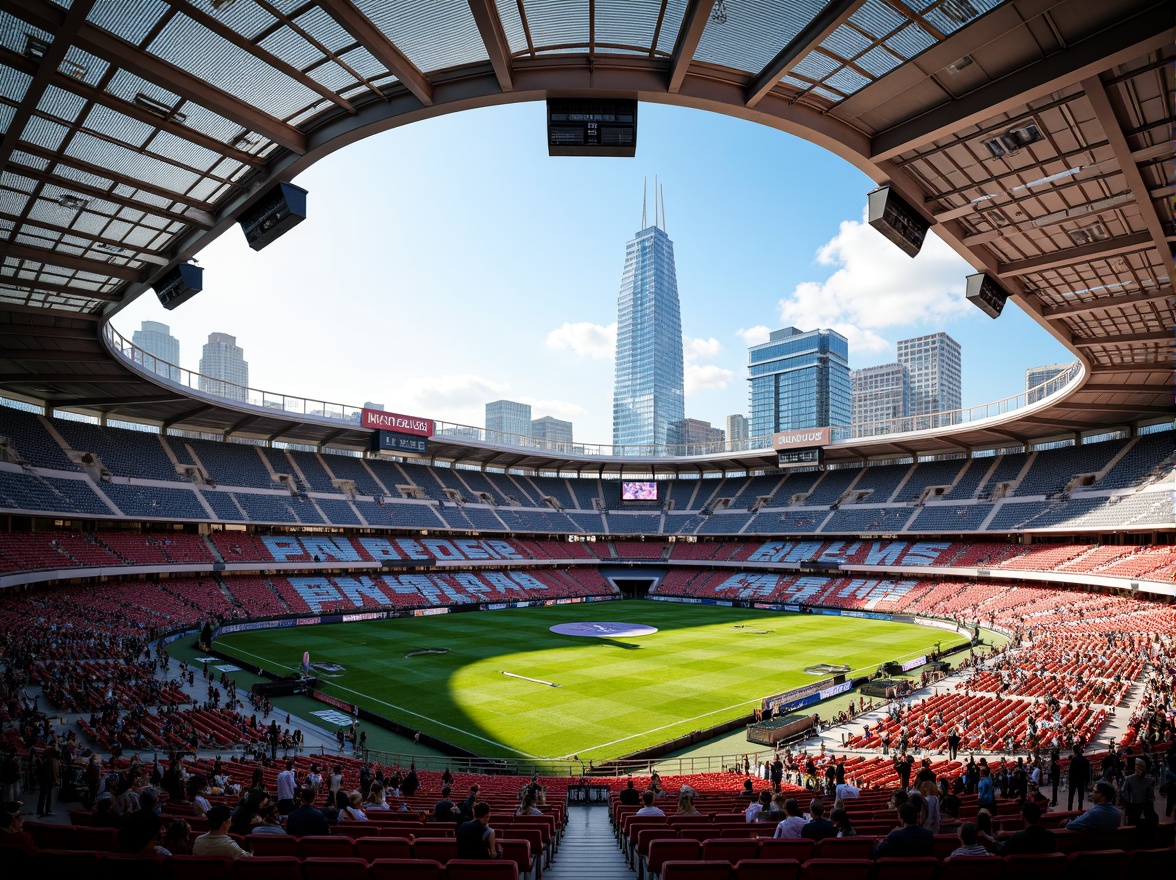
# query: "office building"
x,y
1035,377
507,421
648,394
551,429
933,373
462,432
881,394
737,428
223,368
799,380
696,432
160,350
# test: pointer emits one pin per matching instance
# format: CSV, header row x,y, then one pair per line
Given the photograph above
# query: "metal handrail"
x,y
172,374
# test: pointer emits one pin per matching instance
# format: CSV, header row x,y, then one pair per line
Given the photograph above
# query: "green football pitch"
x,y
612,696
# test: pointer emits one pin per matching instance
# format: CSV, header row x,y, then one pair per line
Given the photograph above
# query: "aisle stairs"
x,y
588,850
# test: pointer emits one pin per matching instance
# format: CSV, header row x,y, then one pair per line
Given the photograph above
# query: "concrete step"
x,y
589,850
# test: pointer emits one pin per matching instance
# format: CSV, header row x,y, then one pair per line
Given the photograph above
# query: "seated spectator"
x,y
840,820
375,799
630,795
217,841
476,839
686,803
820,827
13,837
445,810
984,826
354,809
177,840
969,836
929,812
764,802
1103,815
306,818
793,822
527,807
104,815
142,829
197,791
912,839
649,809
271,821
1033,839
949,814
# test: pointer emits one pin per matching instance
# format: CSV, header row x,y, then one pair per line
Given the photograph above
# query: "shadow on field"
x,y
615,644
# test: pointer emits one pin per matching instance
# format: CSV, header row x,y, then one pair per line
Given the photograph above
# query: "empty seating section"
x,y
124,453
266,508
586,493
157,502
20,491
775,522
33,442
1013,515
346,467
969,481
231,464
522,520
479,483
927,474
241,547
1144,456
681,493
829,489
256,597
157,548
950,518
725,522
640,549
549,487
224,507
1005,471
1053,469
880,481
400,514
337,511
851,519
426,478
755,488
313,473
633,523
684,524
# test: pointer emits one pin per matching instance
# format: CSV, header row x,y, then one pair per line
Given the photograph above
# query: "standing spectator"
x,y
48,778
1079,778
286,787
1055,776
903,767
1139,794
953,743
986,790
10,777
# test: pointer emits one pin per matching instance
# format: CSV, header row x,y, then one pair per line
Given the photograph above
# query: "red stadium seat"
x,y
199,868
915,868
269,868
519,852
675,869
973,868
1053,866
133,866
407,869
1153,863
1100,863
439,849
729,848
767,869
272,845
334,869
478,869
662,851
845,848
371,848
837,869
318,846
782,848
67,862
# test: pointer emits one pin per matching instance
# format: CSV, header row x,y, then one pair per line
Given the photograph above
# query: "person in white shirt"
x,y
789,829
286,787
649,809
752,813
845,791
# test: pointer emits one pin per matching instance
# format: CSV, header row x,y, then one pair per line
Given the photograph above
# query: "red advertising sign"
x,y
379,420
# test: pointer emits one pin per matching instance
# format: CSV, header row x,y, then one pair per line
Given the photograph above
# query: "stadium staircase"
x,y
588,849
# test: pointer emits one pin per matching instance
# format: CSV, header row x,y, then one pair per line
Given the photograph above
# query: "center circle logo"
x,y
604,630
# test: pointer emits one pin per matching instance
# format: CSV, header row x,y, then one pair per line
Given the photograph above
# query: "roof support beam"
x,y
1130,38
383,50
239,424
693,24
47,312
494,37
1096,93
115,401
1109,302
129,57
72,379
71,23
1160,366
21,284
69,261
184,416
48,357
144,255
47,331
1127,388
1124,339
1115,407
1086,253
814,33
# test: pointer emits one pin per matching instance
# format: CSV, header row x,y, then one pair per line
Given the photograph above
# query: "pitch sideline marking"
x,y
400,708
663,727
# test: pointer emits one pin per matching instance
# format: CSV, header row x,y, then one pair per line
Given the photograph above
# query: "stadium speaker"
x,y
986,294
893,216
179,285
280,210
591,127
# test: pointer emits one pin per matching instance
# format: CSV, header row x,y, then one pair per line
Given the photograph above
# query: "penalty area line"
x,y
372,699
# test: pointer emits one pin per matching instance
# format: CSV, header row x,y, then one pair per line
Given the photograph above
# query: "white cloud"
x,y
462,390
698,349
754,335
585,339
707,377
876,287
561,409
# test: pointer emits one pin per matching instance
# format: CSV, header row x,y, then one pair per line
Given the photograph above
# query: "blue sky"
x,y
452,262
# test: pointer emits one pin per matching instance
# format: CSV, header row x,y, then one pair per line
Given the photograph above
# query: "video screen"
x,y
646,491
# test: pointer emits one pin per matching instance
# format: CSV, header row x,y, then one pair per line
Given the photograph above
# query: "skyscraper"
x,y
223,369
507,421
880,395
553,429
933,371
799,380
648,395
1037,376
696,432
156,341
737,428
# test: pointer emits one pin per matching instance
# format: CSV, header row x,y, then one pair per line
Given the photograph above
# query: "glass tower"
x,y
933,370
157,342
799,380
648,396
223,368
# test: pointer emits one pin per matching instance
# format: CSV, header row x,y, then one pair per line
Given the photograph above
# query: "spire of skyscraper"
x,y
648,396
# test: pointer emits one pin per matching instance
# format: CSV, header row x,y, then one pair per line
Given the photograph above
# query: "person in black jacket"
x,y
307,819
475,838
1079,778
1033,839
912,839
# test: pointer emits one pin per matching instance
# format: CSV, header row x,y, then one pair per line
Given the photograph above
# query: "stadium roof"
x,y
1036,135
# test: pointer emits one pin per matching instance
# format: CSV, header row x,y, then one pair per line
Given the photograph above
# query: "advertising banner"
x,y
802,439
378,420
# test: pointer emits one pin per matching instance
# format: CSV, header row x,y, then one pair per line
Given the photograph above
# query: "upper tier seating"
x,y
230,464
929,473
23,491
1052,469
32,440
124,453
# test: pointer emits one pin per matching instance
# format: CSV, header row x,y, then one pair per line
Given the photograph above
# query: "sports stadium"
x,y
187,577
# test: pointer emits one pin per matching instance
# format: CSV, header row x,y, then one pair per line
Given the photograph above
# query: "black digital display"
x,y
591,127
391,441
891,215
986,293
799,457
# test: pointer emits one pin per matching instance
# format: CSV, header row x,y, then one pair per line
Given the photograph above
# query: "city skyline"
x,y
223,368
527,307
